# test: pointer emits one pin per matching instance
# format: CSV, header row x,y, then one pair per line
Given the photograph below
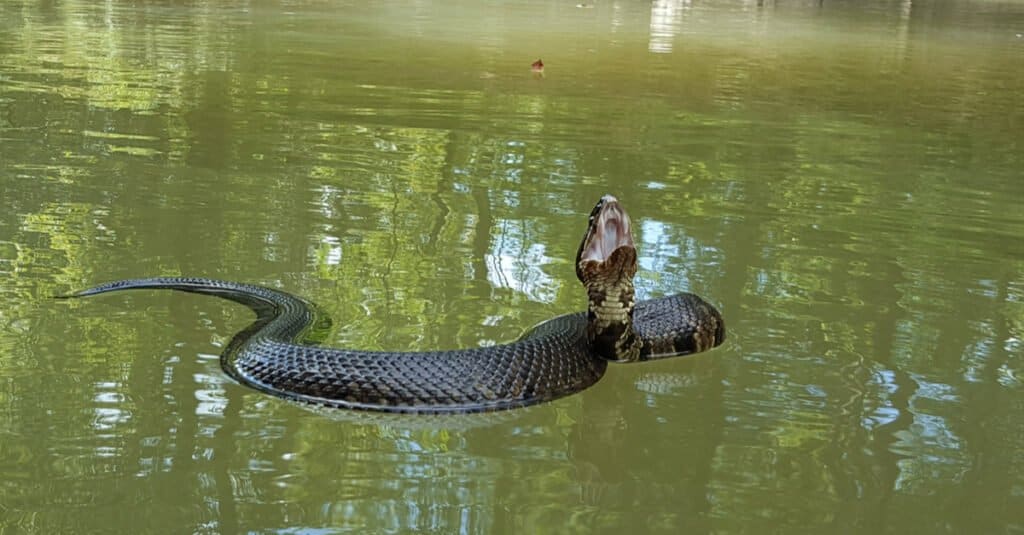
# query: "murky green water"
x,y
843,180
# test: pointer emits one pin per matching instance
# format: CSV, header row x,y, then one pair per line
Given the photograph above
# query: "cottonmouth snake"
x,y
559,357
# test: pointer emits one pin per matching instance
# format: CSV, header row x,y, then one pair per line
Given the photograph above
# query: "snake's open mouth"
x,y
609,230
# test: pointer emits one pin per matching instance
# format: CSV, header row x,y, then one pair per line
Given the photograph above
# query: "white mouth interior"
x,y
611,231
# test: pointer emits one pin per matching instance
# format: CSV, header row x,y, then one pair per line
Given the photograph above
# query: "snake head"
x,y
607,252
606,264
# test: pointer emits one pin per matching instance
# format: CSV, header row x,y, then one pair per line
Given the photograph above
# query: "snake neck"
x,y
611,298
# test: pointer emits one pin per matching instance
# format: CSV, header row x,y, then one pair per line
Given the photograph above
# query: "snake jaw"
x,y
607,256
608,232
609,229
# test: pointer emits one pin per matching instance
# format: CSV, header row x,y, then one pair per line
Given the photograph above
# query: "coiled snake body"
x,y
559,357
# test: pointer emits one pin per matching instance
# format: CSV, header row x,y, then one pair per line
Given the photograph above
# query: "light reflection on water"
x,y
840,179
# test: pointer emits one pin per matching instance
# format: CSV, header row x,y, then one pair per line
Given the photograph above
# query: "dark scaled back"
x,y
549,362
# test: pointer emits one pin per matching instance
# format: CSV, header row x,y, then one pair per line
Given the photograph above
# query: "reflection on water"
x,y
841,179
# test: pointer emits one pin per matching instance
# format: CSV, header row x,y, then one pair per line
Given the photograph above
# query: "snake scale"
x,y
559,357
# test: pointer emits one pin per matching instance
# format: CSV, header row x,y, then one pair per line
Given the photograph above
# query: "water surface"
x,y
843,180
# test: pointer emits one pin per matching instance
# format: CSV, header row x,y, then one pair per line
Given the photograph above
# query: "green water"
x,y
844,181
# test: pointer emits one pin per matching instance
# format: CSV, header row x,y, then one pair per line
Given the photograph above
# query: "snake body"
x,y
561,356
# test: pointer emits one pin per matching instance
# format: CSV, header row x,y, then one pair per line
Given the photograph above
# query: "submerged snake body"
x,y
559,357
549,362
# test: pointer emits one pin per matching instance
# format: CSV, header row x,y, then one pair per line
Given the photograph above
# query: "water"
x,y
842,179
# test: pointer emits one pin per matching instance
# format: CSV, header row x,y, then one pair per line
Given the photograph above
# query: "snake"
x,y
559,357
